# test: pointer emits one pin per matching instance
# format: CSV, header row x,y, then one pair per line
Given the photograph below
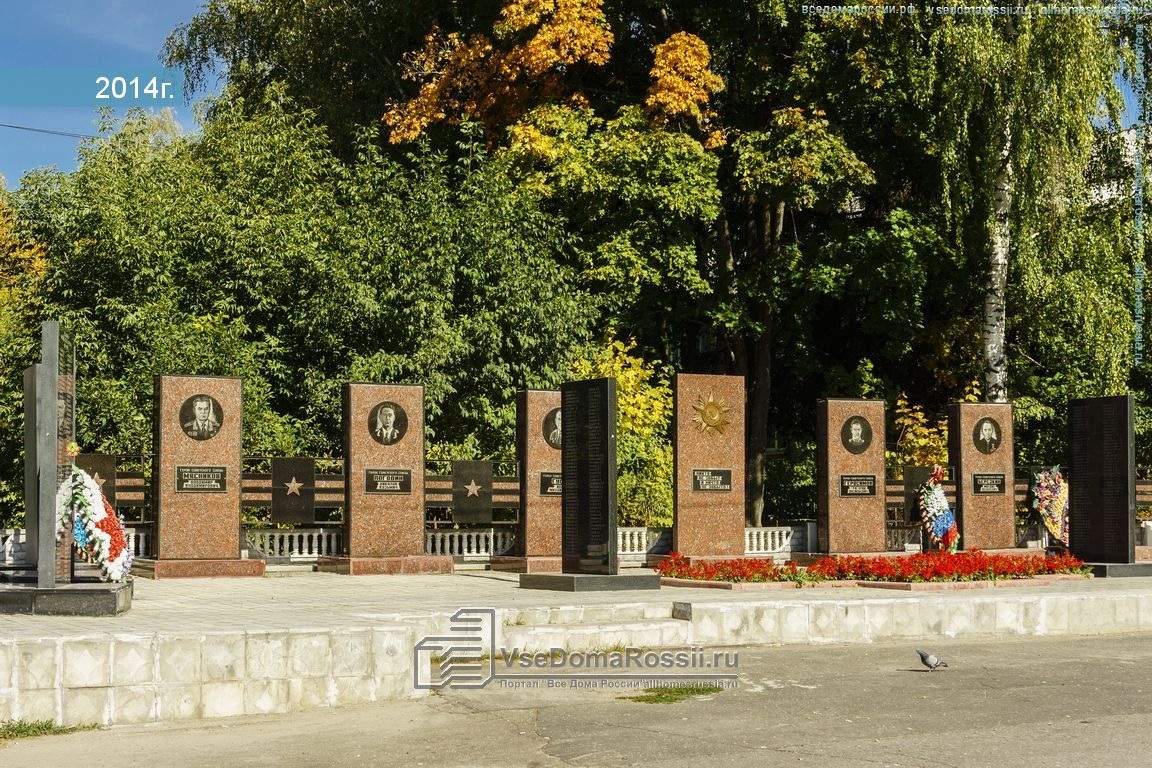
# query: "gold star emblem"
x,y
473,489
293,487
711,414
99,480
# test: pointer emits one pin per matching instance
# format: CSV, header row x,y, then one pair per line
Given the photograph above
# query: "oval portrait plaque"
x,y
986,435
551,427
387,423
856,434
201,417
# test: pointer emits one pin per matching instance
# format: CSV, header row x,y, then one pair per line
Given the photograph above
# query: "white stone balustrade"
x,y
13,544
475,544
772,540
296,544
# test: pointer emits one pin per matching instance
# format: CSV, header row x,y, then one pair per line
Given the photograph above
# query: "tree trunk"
x,y
996,287
760,366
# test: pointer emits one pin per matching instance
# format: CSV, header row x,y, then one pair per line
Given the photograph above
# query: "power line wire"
x,y
45,130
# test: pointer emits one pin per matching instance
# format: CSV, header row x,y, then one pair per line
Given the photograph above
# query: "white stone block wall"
x,y
126,678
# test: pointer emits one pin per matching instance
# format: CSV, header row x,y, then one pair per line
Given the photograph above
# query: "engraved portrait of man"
x,y
201,417
387,423
856,434
553,430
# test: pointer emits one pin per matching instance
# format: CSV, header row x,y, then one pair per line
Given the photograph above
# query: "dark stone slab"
x,y
472,492
589,582
294,490
588,530
68,600
1119,570
102,468
49,429
1102,507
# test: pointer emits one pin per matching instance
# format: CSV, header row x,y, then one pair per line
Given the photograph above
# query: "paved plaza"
x,y
207,648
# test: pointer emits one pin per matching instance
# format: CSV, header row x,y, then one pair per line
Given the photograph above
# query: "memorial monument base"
x,y
536,564
374,566
589,582
191,569
83,599
1119,570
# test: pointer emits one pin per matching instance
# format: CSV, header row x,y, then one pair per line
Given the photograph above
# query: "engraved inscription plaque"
x,y
712,480
988,482
196,479
857,485
551,483
387,481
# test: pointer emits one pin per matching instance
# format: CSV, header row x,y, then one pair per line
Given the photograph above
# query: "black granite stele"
x,y
588,530
1102,507
49,428
589,582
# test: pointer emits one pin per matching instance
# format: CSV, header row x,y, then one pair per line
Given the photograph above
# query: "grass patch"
x,y
27,729
665,694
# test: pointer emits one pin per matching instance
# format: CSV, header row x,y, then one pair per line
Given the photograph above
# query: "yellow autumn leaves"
x,y
532,57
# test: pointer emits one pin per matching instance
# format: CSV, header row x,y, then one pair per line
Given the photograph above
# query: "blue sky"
x,y
79,37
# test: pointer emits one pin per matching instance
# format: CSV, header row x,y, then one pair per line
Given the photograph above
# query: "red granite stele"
x,y
708,520
383,531
848,523
538,545
986,520
197,532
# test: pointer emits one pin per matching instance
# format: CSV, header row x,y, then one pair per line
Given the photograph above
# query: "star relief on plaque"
x,y
711,414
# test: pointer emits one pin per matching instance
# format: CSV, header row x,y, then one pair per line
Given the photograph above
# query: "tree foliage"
x,y
251,251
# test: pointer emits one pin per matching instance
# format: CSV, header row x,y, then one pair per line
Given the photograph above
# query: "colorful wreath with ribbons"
x,y
1050,495
939,520
96,529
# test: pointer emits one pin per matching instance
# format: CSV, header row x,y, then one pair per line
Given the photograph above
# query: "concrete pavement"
x,y
207,648
1025,702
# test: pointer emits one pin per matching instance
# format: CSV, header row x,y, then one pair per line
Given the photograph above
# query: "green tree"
x,y
22,268
251,251
853,195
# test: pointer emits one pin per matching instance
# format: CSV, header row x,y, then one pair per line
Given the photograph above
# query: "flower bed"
x,y
740,570
943,566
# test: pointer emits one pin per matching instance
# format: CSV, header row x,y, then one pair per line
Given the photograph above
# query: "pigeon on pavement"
x,y
929,660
